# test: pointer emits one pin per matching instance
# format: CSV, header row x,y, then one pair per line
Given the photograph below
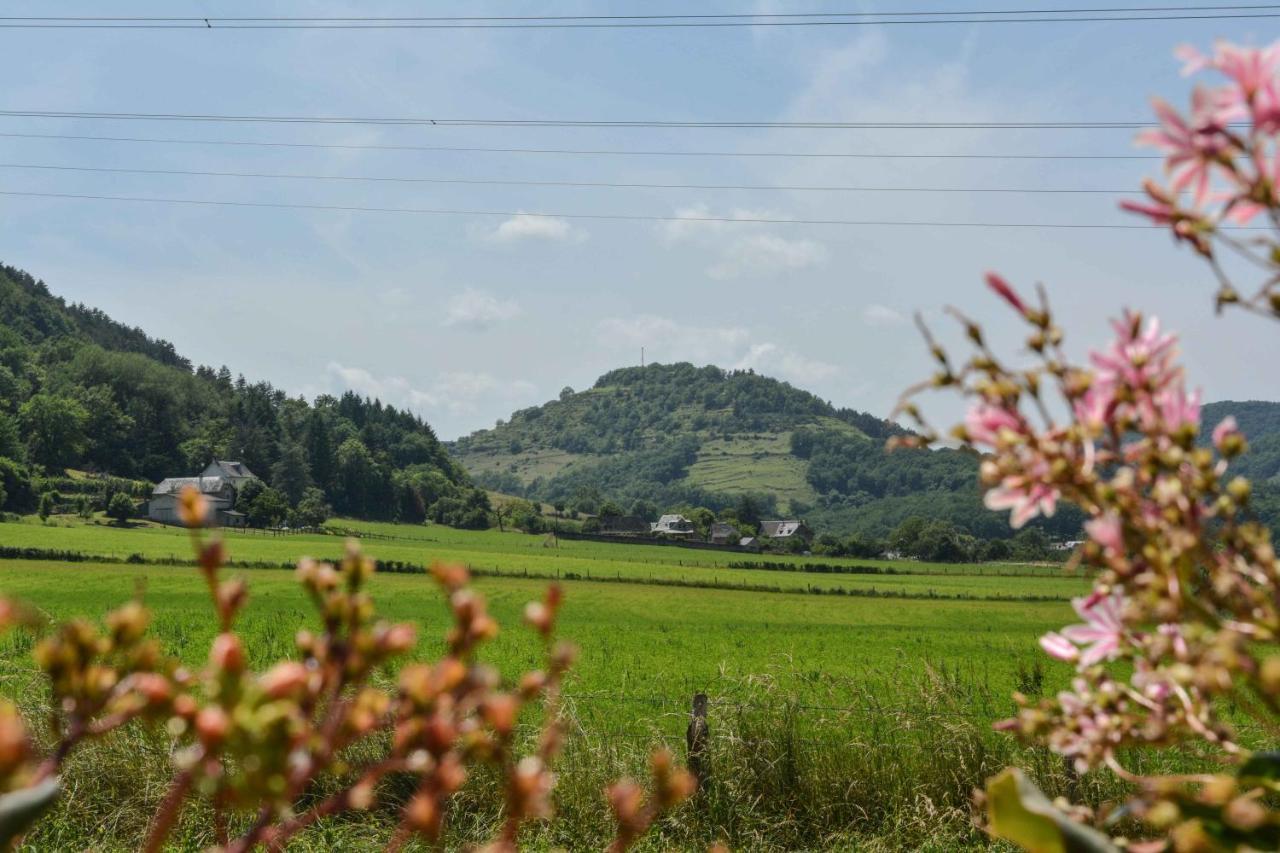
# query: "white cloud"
x,y
882,315
671,341
475,309
457,393
727,346
395,390
699,221
742,246
531,226
766,254
788,364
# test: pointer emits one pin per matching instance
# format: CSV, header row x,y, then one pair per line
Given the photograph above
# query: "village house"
x,y
673,525
723,533
219,482
786,529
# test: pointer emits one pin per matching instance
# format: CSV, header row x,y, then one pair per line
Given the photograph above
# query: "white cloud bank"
x,y
882,315
743,248
476,309
530,226
457,393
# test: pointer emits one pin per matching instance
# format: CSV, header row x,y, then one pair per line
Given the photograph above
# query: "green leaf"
x,y
1261,765
19,809
1017,811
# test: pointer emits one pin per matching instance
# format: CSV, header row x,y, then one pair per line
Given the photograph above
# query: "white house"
x,y
672,525
219,483
786,529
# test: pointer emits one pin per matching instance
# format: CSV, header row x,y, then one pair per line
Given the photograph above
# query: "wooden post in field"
x,y
697,738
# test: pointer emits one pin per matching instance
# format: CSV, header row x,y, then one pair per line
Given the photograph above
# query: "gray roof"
x,y
175,485
234,469
780,529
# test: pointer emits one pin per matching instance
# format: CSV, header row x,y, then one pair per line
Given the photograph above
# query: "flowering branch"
x,y
254,744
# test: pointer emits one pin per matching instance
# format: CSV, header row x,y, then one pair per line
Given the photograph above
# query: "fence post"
x,y
696,740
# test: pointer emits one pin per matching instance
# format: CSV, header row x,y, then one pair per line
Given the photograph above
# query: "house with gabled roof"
x,y
236,473
786,529
673,525
219,483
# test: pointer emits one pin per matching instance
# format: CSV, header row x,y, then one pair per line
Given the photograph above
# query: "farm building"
x,y
672,525
786,529
723,533
218,483
233,472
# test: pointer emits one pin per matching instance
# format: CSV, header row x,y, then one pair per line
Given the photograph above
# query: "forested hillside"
x,y
667,435
679,435
79,390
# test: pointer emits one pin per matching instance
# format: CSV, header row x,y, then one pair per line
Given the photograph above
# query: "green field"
x,y
843,690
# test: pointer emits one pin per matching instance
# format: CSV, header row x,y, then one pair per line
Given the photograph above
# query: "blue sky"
x,y
465,318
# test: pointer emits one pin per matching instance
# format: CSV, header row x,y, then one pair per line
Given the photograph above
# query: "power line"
x,y
587,123
574,151
395,179
619,217
809,19
644,17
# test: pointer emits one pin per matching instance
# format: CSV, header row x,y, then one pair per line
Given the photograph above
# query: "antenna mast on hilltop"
x,y
642,356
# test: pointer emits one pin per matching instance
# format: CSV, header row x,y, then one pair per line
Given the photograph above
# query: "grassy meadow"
x,y
837,721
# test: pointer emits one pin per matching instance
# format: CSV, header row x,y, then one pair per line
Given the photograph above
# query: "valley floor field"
x,y
858,696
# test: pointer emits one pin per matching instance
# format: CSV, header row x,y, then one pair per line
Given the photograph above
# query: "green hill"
x,y
79,390
683,435
679,435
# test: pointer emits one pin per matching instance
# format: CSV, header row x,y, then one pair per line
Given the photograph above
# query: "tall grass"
x,y
877,773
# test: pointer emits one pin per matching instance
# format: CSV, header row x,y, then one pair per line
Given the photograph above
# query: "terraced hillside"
x,y
673,434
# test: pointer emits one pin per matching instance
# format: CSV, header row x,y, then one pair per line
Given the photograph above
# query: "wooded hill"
x,y
672,434
80,390
668,435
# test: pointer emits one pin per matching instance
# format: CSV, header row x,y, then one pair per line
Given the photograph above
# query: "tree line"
x,y
80,391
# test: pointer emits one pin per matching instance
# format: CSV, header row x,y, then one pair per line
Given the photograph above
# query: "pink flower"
x,y
1093,410
1059,647
1225,430
1026,498
1191,147
1266,108
1139,357
1249,67
1102,630
985,422
1193,61
1107,531
1006,292
1178,408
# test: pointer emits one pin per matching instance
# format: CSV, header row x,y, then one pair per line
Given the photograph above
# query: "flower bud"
x,y
532,683
212,725
128,623
226,654
193,509
451,576
539,617
397,639
1245,813
232,595
500,712
286,678
212,555
423,814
